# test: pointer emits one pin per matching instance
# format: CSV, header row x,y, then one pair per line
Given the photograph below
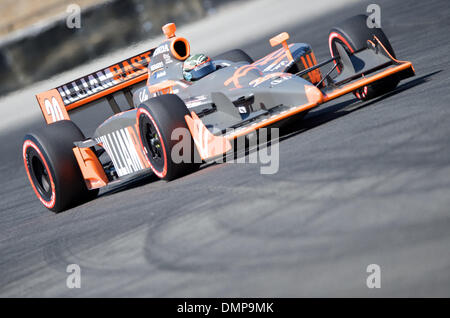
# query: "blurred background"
x,y
36,43
19,14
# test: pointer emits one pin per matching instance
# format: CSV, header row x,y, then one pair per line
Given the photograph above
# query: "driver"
x,y
197,66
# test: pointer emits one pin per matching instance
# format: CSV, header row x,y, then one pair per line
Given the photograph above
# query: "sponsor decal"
x,y
242,110
278,78
273,58
156,66
122,151
109,77
197,101
274,67
167,58
53,109
143,96
164,48
161,74
164,91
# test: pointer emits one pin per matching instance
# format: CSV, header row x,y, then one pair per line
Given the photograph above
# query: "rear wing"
x,y
56,103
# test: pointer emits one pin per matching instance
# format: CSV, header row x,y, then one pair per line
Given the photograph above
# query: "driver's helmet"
x,y
197,66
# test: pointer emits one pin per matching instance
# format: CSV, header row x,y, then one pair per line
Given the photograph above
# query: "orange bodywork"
x,y
165,87
366,80
208,145
52,106
281,39
169,30
314,74
91,168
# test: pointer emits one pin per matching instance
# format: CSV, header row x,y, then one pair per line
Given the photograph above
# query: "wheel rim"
x,y
152,142
39,175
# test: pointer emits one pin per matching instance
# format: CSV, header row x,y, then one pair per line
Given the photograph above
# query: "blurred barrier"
x,y
43,51
16,15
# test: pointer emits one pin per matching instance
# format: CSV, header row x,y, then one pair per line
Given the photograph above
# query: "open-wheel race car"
x,y
145,98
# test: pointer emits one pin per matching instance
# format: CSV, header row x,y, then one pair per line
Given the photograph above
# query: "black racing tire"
x,y
52,168
157,118
236,56
353,34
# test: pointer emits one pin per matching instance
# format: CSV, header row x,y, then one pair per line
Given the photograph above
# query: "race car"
x,y
146,98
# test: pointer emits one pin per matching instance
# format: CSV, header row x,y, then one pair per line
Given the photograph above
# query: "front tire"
x,y
157,119
52,168
353,34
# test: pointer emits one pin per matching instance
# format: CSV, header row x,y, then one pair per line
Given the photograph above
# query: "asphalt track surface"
x,y
358,184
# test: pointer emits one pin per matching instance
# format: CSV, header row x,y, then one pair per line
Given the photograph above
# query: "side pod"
x,y
208,145
90,167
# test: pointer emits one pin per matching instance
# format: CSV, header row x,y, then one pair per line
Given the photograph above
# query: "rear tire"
x,y
157,118
52,168
236,56
353,34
